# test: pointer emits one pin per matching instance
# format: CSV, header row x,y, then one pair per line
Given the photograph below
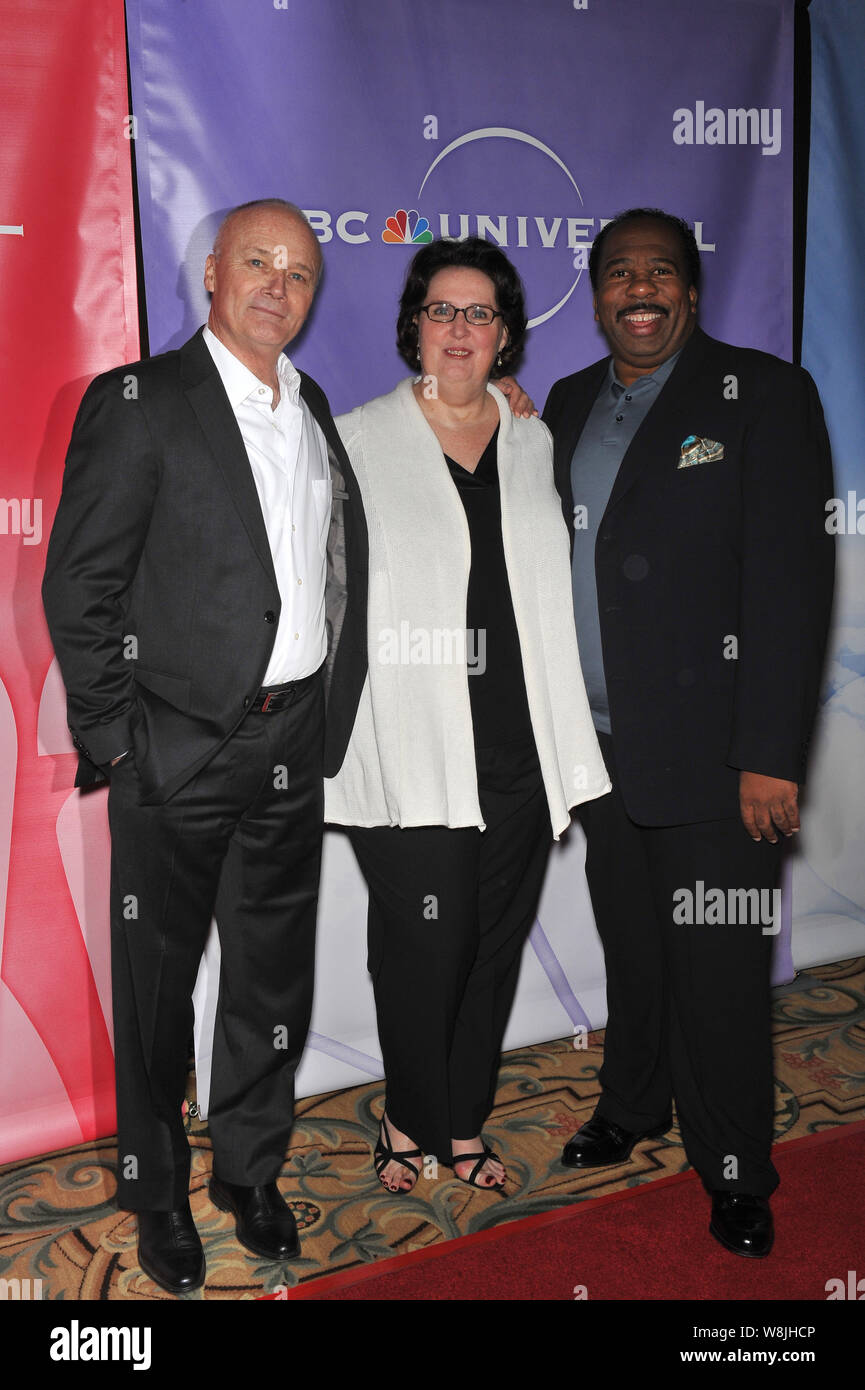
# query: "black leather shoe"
x,y
600,1143
742,1223
169,1249
265,1223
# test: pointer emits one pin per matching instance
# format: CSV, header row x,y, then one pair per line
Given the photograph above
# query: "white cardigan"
x,y
411,758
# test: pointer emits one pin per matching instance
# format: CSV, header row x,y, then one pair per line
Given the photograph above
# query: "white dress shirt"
x,y
287,454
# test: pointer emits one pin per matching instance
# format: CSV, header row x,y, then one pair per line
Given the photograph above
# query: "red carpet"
x,y
650,1242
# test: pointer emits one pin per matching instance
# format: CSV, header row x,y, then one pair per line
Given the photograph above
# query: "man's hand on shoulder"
x,y
768,804
521,404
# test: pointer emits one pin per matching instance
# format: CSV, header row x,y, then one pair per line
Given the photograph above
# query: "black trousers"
x,y
242,841
688,1001
449,912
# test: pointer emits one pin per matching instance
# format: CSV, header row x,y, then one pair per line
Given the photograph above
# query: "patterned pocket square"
x,y
696,450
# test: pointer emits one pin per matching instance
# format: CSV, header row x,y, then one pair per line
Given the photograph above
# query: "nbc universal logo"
x,y
735,126
557,240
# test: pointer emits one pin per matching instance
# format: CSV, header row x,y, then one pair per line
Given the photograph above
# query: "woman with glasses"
x,y
473,736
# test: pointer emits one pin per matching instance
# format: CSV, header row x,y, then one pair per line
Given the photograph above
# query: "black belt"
x,y
272,698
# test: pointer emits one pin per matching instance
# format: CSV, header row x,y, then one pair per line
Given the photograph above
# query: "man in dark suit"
x,y
207,567
693,478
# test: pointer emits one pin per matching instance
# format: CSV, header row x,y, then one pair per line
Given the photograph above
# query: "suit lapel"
x,y
567,432
641,454
340,468
574,421
206,395
323,418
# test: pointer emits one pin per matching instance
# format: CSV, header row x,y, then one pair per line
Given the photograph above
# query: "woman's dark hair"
x,y
474,253
690,250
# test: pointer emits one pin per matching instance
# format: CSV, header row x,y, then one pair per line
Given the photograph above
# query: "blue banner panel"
x,y
829,882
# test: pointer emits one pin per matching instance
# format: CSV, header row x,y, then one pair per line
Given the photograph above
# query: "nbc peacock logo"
x,y
407,227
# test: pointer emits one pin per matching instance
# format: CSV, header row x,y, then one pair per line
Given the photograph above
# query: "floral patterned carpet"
x,y
58,1222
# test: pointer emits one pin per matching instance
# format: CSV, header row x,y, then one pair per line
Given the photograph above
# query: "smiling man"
x,y
693,478
198,576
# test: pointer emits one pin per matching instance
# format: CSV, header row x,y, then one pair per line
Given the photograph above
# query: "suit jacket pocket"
x,y
173,689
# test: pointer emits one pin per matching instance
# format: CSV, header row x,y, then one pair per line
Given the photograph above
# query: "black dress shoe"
x,y
265,1223
600,1143
742,1223
169,1249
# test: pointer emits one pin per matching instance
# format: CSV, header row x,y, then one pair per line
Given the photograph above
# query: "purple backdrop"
x,y
332,104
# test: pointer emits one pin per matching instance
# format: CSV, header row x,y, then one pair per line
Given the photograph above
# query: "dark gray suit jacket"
x,y
159,587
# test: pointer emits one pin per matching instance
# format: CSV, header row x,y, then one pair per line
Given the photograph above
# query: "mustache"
x,y
642,309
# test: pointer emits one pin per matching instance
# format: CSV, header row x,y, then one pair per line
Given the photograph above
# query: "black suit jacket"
x,y
714,581
159,587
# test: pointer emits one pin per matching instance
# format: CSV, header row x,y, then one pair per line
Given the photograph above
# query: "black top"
x,y
497,688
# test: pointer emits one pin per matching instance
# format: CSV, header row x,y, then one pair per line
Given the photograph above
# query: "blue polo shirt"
x,y
613,421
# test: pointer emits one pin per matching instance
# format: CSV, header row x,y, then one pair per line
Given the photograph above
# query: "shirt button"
x,y
628,398
620,418
270,616
297,637
300,581
293,527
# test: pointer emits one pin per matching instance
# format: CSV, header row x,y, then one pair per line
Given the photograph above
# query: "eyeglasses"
x,y
480,315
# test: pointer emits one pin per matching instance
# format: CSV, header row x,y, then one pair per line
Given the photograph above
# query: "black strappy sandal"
x,y
481,1159
384,1155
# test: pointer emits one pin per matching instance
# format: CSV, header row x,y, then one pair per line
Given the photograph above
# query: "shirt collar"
x,y
241,384
656,378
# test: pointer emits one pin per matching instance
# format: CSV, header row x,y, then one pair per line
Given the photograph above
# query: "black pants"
x,y
688,1002
242,841
449,911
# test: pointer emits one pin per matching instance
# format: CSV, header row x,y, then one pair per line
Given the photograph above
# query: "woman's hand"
x,y
520,404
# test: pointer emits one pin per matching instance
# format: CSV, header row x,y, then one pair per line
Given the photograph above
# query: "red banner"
x,y
68,310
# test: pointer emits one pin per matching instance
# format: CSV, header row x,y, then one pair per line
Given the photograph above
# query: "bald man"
x,y
206,572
